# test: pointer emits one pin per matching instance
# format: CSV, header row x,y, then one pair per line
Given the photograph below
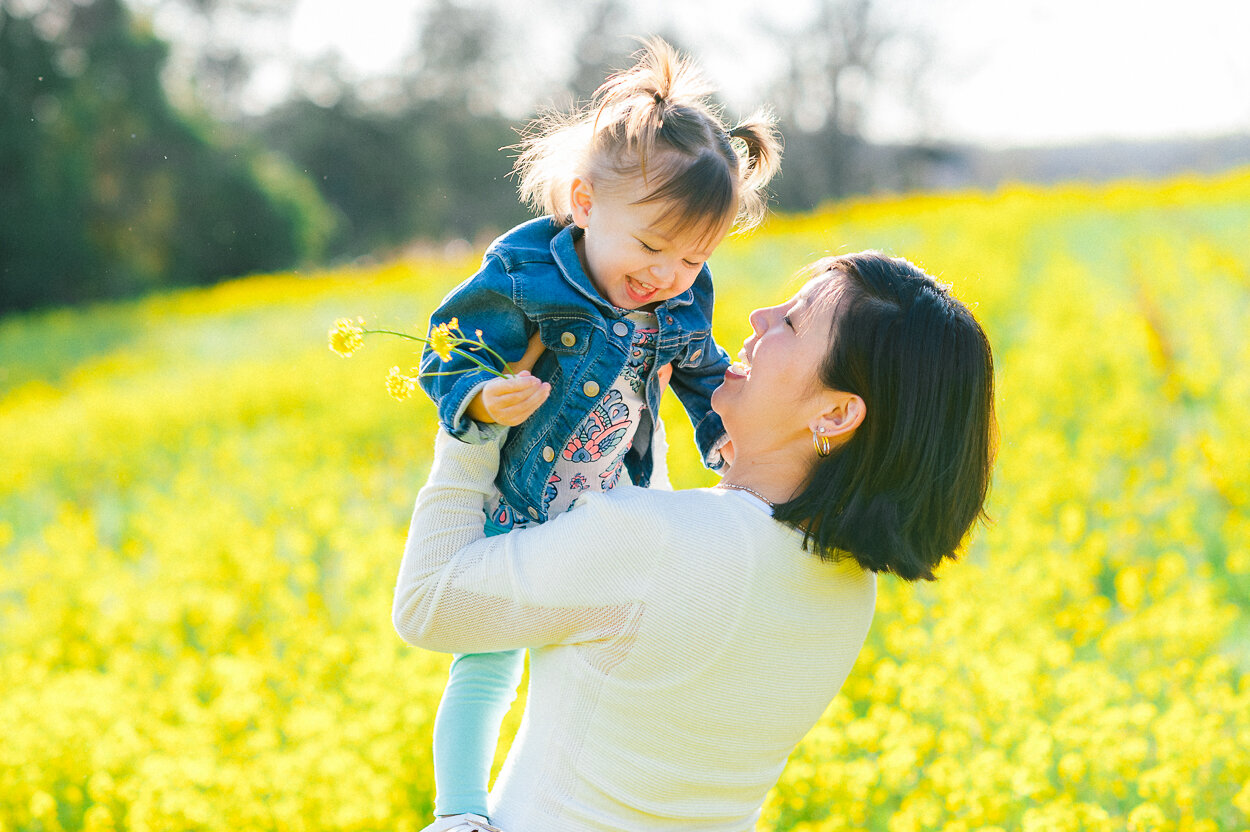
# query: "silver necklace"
x,y
771,504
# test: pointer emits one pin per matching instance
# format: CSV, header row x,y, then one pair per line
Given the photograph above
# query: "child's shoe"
x,y
461,823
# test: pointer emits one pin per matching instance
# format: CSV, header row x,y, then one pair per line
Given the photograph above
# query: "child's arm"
x,y
482,303
693,381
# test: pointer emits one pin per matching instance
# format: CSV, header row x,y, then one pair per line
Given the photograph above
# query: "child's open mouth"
x,y
639,291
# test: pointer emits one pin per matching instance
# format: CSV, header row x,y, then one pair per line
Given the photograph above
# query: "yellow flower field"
x,y
202,510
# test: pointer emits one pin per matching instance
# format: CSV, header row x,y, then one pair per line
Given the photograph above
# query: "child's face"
x,y
633,261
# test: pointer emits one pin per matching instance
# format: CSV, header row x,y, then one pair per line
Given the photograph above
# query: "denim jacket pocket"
x,y
690,352
566,335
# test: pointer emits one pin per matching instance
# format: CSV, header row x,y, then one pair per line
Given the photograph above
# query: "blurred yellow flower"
x,y
399,385
1147,817
346,337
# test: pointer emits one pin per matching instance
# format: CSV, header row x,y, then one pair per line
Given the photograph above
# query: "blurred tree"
x,y
836,62
44,189
601,48
427,163
216,46
107,189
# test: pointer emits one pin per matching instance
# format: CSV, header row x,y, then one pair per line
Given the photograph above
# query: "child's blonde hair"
x,y
655,120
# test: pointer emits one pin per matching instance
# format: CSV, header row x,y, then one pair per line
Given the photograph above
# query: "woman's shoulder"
x,y
698,514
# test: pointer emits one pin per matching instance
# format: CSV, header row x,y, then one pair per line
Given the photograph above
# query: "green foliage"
x,y
109,191
426,170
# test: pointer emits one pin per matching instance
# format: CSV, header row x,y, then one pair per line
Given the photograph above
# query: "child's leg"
x,y
480,689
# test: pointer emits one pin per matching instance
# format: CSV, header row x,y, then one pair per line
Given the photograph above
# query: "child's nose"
x,y
663,275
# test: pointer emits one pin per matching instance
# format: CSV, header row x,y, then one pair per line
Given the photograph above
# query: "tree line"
x,y
108,189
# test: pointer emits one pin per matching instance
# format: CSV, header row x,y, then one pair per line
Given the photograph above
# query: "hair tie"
x,y
659,98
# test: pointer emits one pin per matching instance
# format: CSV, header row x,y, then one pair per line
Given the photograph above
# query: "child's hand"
x,y
509,401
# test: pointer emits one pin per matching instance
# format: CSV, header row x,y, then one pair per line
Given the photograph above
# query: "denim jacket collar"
x,y
570,265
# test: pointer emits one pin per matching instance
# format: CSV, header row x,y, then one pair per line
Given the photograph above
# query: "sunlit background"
x,y
309,132
202,507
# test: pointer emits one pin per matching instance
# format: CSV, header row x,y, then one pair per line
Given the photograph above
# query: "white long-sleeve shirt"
x,y
681,644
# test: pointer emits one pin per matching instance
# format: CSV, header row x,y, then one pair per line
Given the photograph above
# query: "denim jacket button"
x,y
696,356
534,513
549,453
568,339
620,328
590,388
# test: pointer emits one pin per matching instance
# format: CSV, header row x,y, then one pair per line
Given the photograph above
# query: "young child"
x,y
638,190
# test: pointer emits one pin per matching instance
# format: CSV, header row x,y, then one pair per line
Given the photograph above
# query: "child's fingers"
x,y
516,406
522,410
512,390
510,384
530,398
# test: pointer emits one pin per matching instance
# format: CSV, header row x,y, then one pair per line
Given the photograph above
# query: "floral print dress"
x,y
594,457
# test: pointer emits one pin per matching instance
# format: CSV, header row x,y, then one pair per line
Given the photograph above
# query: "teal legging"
x,y
481,687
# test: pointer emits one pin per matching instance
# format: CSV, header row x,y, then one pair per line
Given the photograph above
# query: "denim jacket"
x,y
532,279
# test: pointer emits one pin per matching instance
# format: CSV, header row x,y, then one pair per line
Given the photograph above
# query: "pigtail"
x,y
550,152
650,102
762,142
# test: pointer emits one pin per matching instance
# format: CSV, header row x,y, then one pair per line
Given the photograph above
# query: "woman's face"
x,y
770,395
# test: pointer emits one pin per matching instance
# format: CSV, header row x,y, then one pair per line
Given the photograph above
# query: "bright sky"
x,y
1004,72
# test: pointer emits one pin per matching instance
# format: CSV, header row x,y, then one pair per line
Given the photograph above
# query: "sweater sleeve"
x,y
573,580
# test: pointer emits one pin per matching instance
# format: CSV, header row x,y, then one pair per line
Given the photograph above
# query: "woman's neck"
x,y
775,480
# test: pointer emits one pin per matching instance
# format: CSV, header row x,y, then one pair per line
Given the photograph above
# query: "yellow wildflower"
x,y
1242,799
42,805
1147,817
346,337
399,385
441,341
98,819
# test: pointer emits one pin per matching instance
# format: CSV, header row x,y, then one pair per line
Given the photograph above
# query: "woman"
x,y
682,643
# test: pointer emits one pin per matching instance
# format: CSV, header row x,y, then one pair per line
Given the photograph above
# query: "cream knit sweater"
x,y
681,644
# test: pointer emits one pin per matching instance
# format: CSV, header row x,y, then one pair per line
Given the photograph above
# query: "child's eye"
x,y
648,248
695,264
788,321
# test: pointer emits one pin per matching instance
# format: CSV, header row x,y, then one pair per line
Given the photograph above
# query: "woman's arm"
x,y
574,579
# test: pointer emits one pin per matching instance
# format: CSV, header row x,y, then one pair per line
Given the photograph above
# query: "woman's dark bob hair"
x,y
902,492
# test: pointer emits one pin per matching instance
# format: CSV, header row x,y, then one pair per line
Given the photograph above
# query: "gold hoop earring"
x,y
824,445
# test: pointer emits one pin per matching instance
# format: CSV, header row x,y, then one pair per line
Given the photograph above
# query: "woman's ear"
x,y
844,413
581,195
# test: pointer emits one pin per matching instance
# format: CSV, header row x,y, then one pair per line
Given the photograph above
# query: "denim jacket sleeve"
x,y
695,375
484,302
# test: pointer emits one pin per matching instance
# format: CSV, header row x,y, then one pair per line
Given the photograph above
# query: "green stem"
x,y
455,348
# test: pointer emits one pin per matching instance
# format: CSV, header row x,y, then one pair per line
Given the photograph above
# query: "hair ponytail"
x,y
763,157
655,119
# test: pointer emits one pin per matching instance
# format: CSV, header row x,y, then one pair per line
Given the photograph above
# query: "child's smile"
x,y
631,258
